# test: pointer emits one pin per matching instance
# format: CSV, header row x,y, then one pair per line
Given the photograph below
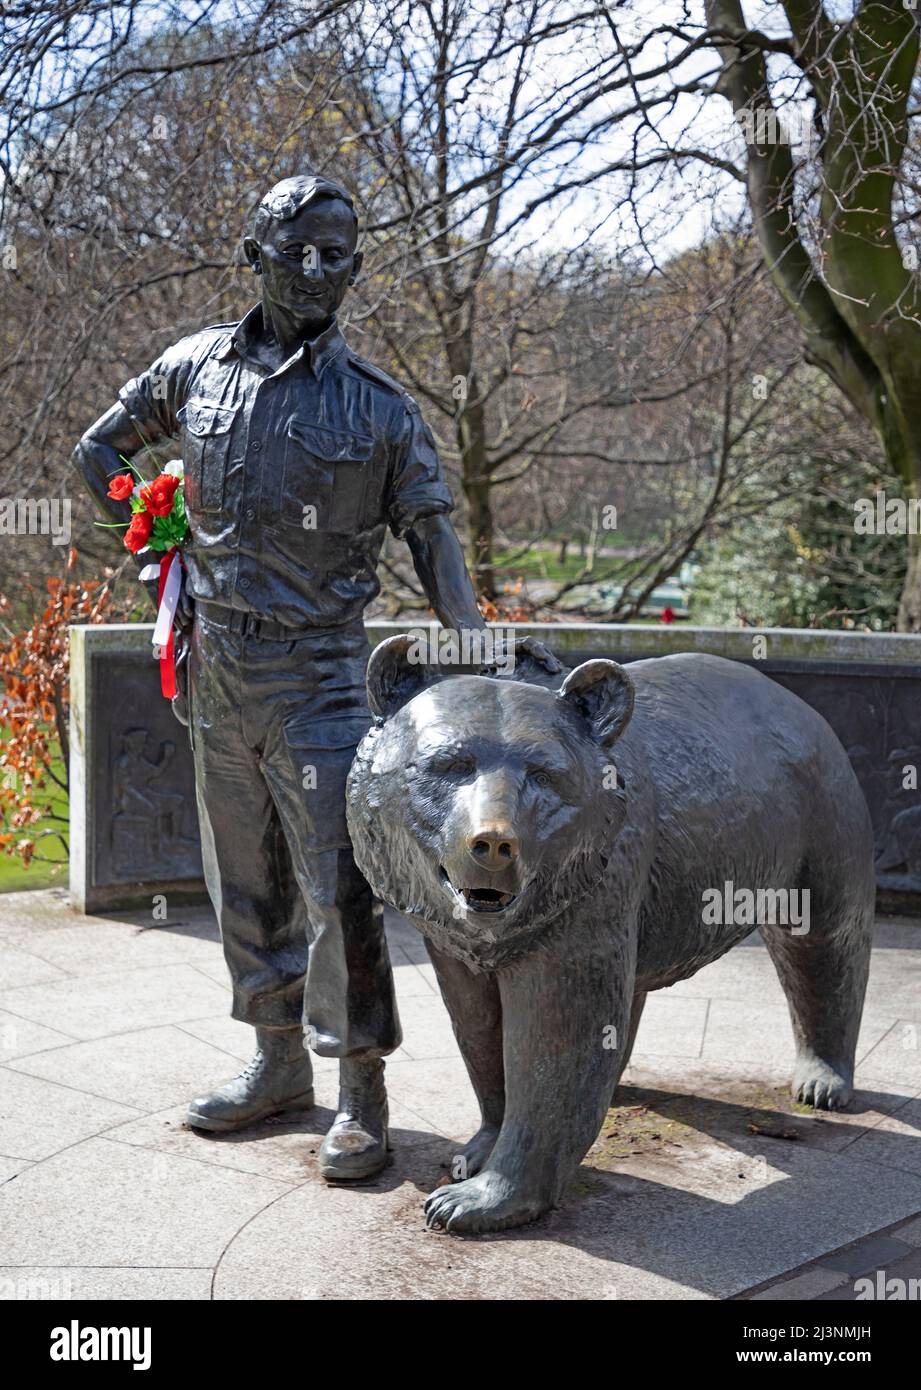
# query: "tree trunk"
x,y
902,445
909,619
471,438
479,510
861,327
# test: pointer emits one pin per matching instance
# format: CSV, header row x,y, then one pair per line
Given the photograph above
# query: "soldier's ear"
x,y
395,674
357,260
252,251
603,694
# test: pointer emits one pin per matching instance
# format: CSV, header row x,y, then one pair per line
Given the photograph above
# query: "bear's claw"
x,y
823,1086
488,1202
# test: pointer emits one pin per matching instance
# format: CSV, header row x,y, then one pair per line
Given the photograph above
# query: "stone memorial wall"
x,y
134,828
133,822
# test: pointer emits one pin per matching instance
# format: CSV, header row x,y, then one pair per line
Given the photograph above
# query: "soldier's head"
x,y
302,244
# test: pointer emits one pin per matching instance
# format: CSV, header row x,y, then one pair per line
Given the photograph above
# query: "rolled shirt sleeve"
x,y
417,487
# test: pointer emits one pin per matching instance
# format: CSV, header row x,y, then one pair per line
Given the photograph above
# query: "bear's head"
x,y
482,807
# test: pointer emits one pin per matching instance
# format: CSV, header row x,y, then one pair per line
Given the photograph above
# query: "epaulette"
x,y
376,374
218,337
206,334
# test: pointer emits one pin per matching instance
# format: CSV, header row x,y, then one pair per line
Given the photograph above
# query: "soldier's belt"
x,y
251,625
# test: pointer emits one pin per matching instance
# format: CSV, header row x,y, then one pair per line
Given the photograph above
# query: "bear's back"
x,y
751,787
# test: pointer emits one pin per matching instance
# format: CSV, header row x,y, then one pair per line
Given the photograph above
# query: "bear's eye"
x,y
451,765
541,778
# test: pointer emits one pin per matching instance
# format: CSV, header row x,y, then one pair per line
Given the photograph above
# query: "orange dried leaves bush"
x,y
34,714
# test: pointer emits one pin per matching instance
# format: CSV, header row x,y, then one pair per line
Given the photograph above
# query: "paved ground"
x,y
707,1182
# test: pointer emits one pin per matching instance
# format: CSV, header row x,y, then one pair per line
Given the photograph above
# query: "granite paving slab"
x,y
148,1069
707,1181
39,1118
105,1203
104,1284
98,1006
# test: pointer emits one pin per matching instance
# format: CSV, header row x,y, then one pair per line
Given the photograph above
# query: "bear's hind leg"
x,y
476,1016
824,976
636,1013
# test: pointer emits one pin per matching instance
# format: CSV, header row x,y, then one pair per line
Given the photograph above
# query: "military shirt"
x,y
292,475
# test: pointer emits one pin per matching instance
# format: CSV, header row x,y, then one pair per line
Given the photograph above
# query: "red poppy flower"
x,y
138,533
158,495
121,487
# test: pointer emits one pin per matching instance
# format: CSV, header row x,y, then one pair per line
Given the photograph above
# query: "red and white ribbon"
x,y
169,575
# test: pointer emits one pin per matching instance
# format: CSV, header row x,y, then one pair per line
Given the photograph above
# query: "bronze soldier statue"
x,y
297,455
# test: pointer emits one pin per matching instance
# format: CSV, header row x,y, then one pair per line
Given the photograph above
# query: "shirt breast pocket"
x,y
206,440
330,480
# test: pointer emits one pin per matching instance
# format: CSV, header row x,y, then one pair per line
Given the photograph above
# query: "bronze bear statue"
x,y
565,852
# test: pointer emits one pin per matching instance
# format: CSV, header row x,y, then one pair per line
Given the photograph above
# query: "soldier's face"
x,y
309,261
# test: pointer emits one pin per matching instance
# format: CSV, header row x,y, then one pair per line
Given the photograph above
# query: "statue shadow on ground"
x,y
771,1201
193,919
311,1125
763,1202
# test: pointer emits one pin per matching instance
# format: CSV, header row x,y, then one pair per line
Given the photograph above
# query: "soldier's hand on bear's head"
x,y
527,659
541,653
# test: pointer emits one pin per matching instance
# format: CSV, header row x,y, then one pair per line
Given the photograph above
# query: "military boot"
x,y
356,1146
278,1078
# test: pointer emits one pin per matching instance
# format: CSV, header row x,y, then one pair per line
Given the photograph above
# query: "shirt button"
x,y
256,447
250,513
244,583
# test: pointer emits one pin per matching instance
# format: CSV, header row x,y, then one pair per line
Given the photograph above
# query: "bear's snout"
x,y
493,847
482,868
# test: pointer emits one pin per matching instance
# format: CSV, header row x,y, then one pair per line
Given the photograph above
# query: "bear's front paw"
x,y
820,1084
488,1202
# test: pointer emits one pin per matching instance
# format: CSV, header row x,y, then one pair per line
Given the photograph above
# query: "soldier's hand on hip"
x,y
182,642
185,609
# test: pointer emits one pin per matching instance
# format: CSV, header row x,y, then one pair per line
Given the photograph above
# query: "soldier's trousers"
x,y
274,725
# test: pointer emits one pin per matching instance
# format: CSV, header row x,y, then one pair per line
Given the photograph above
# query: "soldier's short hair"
x,y
289,197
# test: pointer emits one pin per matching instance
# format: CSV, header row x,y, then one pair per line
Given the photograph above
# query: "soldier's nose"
x,y
493,847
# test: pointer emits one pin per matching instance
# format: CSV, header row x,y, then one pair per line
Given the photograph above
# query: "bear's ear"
x,y
393,676
603,694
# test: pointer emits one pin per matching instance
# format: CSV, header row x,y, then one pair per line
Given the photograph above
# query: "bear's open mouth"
x,y
480,899
486,899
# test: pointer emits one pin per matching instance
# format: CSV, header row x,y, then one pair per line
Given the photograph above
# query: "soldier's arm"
x,y
419,510
419,503
97,458
439,563
440,566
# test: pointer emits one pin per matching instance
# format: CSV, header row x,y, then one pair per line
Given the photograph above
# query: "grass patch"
x,y
16,877
545,564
